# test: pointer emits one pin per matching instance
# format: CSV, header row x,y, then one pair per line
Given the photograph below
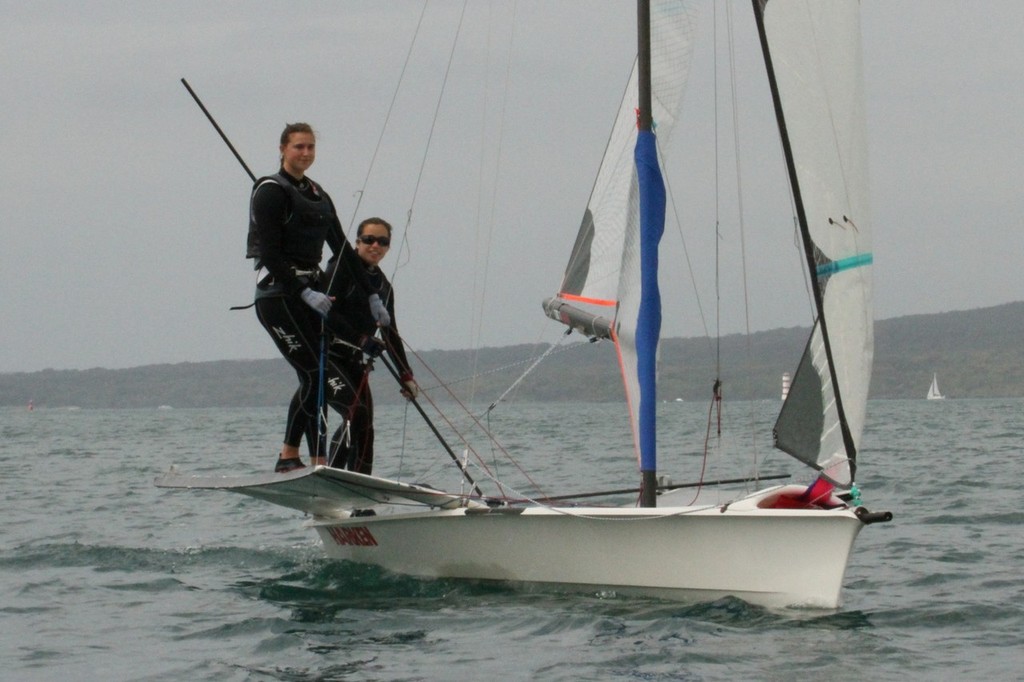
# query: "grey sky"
x,y
124,215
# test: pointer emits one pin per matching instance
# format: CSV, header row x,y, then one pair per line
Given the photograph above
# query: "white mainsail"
x,y
600,292
814,59
933,390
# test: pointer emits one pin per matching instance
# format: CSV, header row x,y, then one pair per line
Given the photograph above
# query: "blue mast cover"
x,y
648,326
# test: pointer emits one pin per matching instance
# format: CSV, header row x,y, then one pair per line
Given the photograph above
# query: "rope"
x,y
713,417
539,359
475,421
511,365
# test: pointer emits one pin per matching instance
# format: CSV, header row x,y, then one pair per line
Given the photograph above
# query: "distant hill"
x,y
976,353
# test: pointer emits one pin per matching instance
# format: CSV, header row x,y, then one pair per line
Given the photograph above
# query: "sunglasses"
x,y
370,240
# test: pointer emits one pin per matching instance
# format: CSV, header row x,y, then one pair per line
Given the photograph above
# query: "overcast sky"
x,y
124,215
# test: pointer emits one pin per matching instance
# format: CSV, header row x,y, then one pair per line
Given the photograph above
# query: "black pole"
x,y
217,128
437,434
643,53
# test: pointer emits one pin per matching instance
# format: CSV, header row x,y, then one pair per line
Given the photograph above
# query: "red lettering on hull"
x,y
360,536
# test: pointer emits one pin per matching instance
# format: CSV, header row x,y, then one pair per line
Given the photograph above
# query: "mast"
x,y
652,224
643,46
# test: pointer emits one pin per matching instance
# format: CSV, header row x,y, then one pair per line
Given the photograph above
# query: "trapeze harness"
x,y
306,229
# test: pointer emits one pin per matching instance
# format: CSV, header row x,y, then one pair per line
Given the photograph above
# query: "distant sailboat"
x,y
933,390
786,380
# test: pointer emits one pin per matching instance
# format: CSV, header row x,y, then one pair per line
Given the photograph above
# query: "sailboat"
x,y
933,390
783,545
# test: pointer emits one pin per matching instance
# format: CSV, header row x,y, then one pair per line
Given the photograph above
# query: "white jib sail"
x,y
815,51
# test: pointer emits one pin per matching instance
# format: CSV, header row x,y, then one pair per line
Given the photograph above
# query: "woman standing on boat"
x,y
354,345
291,218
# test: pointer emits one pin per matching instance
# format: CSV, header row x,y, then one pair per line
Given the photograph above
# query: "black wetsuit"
x,y
291,220
351,322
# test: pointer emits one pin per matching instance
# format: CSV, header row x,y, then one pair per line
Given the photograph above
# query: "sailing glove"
x,y
372,346
410,389
379,311
319,302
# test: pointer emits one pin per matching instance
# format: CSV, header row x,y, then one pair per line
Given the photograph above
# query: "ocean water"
x,y
105,577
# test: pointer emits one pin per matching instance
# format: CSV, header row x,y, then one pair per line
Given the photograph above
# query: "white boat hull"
x,y
766,556
770,557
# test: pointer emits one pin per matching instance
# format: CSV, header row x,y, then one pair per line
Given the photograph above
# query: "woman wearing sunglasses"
x,y
355,343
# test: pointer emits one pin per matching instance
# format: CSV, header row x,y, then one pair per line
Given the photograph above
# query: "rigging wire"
x,y
484,245
751,421
738,167
387,117
718,204
508,366
430,137
717,387
540,358
475,420
682,238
